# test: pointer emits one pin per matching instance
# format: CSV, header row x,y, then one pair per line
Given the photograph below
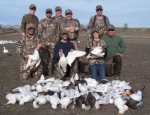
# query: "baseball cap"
x,y
32,6
58,8
99,7
48,10
110,27
68,11
30,25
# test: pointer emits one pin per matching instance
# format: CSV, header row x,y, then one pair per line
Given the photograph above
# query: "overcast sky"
x,y
136,13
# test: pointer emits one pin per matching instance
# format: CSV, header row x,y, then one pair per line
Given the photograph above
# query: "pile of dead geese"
x,y
86,93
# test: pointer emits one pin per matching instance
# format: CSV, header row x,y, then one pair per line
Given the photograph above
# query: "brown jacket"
x,y
28,18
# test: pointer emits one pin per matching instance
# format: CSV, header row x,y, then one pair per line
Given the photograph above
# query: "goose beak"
x,y
64,107
7,103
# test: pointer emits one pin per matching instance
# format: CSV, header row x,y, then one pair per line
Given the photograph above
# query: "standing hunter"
x,y
99,21
72,26
47,32
58,18
29,18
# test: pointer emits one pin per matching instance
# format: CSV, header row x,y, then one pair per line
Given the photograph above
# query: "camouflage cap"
x,y
99,7
48,10
68,11
112,27
58,8
32,6
64,32
95,30
30,25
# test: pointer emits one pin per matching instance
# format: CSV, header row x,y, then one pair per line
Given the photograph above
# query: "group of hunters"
x,y
58,32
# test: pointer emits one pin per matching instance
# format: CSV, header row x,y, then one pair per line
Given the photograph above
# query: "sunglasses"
x,y
99,10
68,14
111,30
33,8
48,13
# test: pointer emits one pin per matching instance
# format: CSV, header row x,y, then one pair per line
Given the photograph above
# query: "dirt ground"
x,y
135,69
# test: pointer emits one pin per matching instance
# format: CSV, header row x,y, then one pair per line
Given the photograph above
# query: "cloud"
x,y
133,12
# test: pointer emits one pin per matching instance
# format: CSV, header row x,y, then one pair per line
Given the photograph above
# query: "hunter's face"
x,y
48,14
111,32
30,31
33,10
99,12
58,13
69,16
64,37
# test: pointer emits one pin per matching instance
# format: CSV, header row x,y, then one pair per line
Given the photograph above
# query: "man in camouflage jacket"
x,y
29,18
72,26
47,31
58,18
26,46
99,22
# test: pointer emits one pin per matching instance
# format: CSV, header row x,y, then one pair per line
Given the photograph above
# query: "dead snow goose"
x,y
54,100
73,55
62,62
97,51
13,98
40,100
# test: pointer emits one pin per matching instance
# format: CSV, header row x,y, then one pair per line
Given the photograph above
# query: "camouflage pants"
x,y
70,70
76,44
25,74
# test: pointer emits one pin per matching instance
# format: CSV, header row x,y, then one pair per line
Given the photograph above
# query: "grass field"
x,y
135,69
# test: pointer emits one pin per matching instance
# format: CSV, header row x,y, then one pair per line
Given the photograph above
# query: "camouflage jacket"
x,y
75,23
96,23
94,44
28,18
26,45
58,21
47,29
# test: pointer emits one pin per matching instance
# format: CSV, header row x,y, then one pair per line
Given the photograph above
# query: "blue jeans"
x,y
98,70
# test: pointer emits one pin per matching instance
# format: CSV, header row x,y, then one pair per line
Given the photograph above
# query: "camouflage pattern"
x,y
26,46
110,27
28,18
94,44
58,21
99,7
99,24
47,31
73,36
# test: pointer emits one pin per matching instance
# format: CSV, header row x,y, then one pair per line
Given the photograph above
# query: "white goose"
x,y
5,51
33,60
73,55
13,98
97,51
54,100
137,96
62,61
23,89
40,100
65,101
120,104
27,97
